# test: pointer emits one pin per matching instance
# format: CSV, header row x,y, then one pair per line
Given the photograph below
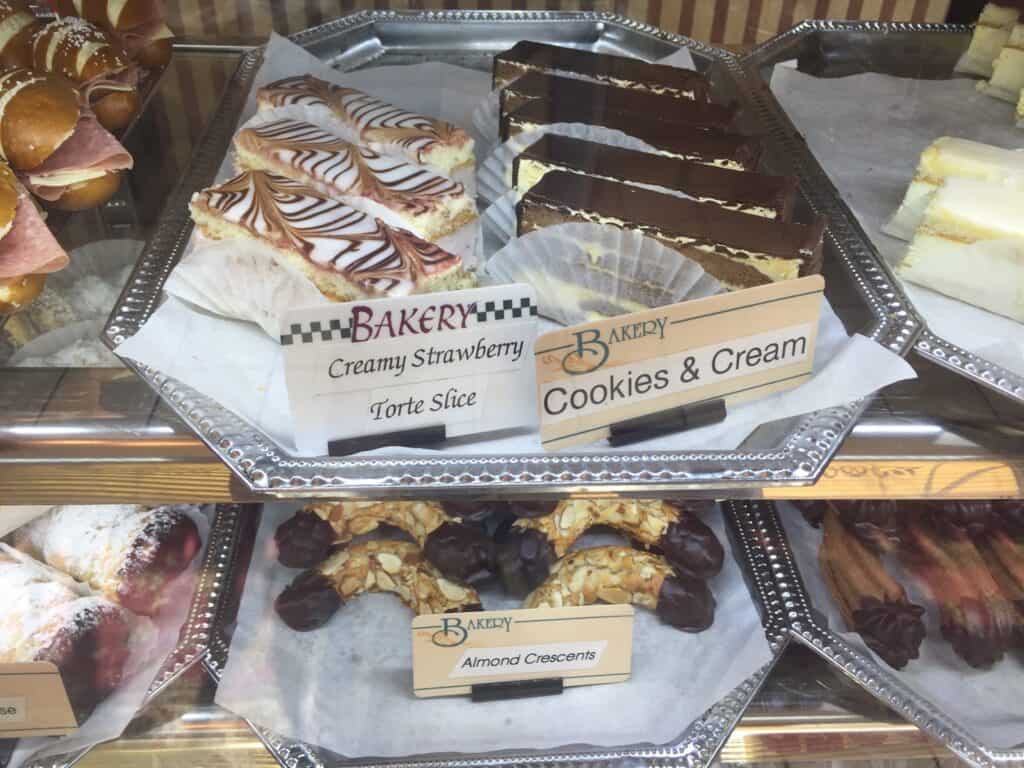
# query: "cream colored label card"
x,y
33,702
589,645
737,346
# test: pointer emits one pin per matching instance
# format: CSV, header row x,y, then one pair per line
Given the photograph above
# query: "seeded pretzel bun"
x,y
116,110
8,199
58,46
39,116
88,194
117,16
156,53
18,25
16,293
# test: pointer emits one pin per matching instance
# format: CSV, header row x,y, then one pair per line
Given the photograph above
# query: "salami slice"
x,y
30,248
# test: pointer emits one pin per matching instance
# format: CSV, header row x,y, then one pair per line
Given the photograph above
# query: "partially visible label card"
x,y
33,701
736,346
589,645
462,359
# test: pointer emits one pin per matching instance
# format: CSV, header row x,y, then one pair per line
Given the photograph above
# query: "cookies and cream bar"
x,y
1007,79
755,193
582,99
949,157
527,56
725,150
739,250
346,253
990,34
429,204
970,246
376,124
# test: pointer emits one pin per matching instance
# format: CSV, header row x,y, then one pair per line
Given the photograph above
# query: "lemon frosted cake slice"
x,y
376,124
346,253
990,35
429,204
970,246
1007,70
951,157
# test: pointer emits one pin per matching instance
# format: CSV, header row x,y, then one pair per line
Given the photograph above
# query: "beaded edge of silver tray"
x,y
697,747
759,521
213,583
928,344
262,465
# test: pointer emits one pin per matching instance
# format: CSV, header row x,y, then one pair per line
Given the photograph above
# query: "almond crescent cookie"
x,y
527,550
460,551
623,575
375,566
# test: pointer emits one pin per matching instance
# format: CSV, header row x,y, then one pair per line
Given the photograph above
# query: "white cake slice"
x,y
990,35
1007,70
970,246
950,157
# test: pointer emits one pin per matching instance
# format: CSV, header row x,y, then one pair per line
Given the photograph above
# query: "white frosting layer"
x,y
969,209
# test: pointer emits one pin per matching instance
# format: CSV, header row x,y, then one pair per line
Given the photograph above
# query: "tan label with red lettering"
x,y
33,701
737,346
588,645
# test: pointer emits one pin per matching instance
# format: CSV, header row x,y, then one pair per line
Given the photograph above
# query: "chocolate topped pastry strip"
x,y
739,250
460,551
622,575
346,253
376,124
527,550
527,56
577,101
756,193
698,144
374,566
428,203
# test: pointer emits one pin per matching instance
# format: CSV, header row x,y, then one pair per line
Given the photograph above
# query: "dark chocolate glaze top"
x,y
659,214
601,66
695,179
585,99
691,141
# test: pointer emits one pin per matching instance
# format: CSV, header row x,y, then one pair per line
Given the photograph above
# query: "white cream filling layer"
x,y
65,178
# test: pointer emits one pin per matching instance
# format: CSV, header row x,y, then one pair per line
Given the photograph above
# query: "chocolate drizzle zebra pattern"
x,y
300,148
327,234
381,126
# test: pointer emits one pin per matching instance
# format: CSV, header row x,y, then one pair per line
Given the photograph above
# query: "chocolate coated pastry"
x,y
477,512
373,566
684,540
530,509
462,552
523,558
303,540
872,603
623,575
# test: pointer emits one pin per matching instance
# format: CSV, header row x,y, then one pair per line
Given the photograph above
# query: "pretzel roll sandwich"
x,y
63,156
92,58
18,25
138,24
28,251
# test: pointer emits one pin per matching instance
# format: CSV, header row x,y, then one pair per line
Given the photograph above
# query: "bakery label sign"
x,y
33,701
736,346
460,359
588,645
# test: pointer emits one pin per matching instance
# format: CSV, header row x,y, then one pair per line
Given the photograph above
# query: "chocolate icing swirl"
x,y
331,235
893,630
350,169
373,121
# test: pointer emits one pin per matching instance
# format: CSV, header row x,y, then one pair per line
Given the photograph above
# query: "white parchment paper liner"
x,y
986,703
152,640
348,685
871,156
620,270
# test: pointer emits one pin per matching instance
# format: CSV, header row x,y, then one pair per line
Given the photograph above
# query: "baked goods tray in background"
x,y
808,624
826,48
696,747
214,590
794,451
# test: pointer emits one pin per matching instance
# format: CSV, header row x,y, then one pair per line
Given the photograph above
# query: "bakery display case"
x,y
813,578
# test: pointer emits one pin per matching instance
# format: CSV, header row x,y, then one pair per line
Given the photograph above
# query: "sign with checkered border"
x,y
461,359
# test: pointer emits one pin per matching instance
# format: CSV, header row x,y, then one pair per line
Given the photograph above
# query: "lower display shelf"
x,y
806,712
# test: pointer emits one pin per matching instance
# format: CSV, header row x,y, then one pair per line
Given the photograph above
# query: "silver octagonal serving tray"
x,y
836,48
791,452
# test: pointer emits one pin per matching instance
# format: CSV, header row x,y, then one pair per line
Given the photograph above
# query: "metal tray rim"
x,y
928,344
262,466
